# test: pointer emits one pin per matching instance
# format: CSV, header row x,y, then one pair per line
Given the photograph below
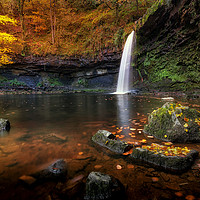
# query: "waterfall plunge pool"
x,y
48,127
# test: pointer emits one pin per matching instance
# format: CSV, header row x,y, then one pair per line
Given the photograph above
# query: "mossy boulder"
x,y
4,125
169,163
175,123
108,140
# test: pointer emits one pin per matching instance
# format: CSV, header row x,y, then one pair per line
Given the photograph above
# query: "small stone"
x,y
119,167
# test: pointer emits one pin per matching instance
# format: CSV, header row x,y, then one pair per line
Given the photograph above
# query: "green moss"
x,y
50,82
15,82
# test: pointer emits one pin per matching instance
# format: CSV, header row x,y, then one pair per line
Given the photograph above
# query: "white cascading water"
x,y
125,65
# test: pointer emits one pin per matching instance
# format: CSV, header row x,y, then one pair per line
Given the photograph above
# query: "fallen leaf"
x,y
128,152
143,141
80,153
179,194
130,166
190,197
168,143
98,166
150,136
155,179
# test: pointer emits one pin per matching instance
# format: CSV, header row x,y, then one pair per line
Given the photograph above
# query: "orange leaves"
x,y
155,179
128,152
190,197
186,119
143,141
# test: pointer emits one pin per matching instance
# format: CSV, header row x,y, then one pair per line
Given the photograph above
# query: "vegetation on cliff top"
x,y
66,27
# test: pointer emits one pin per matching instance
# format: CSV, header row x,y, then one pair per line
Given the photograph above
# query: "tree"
x,y
6,41
53,20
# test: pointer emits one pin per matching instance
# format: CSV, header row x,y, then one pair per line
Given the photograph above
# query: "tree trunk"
x,y
21,14
53,21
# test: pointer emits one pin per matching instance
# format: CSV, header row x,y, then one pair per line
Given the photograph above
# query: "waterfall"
x,y
123,84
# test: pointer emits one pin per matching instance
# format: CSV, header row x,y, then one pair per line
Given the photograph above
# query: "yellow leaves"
x,y
186,130
186,125
168,151
179,115
170,112
168,143
143,141
5,20
165,136
197,121
7,38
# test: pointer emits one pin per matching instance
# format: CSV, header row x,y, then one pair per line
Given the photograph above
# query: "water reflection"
x,y
123,110
48,127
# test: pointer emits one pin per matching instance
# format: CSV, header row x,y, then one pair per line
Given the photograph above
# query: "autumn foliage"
x,y
67,27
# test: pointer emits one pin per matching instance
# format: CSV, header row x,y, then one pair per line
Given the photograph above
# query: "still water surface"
x,y
48,127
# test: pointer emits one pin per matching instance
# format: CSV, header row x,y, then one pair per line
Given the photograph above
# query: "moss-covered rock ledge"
x,y
175,123
168,46
108,140
166,157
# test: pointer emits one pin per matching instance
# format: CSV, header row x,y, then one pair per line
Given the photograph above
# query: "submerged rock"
x,y
57,170
101,186
169,163
29,180
175,123
4,125
107,139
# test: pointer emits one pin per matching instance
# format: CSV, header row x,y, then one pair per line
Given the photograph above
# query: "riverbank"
x,y
188,95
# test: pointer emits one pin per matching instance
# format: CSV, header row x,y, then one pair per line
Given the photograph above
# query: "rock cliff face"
x,y
101,71
169,45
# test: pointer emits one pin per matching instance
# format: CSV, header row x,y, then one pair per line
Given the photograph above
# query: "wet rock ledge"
x,y
171,159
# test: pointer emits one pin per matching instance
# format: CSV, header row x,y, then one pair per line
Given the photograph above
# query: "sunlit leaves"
x,y
7,38
167,150
6,41
5,20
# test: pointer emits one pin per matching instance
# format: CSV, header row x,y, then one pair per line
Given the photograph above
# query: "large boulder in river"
x,y
175,123
107,139
4,124
101,186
